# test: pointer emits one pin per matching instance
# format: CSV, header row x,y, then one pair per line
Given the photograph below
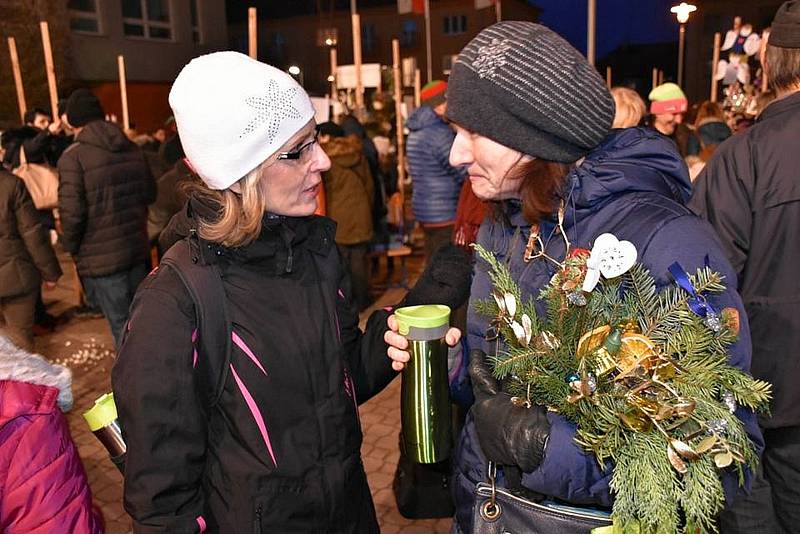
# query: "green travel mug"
x,y
103,422
425,393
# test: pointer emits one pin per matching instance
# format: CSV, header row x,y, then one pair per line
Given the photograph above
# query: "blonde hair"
x,y
630,107
239,215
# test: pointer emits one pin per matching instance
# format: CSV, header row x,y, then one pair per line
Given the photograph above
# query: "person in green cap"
x,y
667,106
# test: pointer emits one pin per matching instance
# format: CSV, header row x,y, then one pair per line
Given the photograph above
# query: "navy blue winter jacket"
x,y
436,183
633,185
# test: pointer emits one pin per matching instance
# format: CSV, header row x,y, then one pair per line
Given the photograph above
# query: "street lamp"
x,y
682,12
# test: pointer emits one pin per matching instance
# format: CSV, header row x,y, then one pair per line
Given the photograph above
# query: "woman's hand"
x,y
398,344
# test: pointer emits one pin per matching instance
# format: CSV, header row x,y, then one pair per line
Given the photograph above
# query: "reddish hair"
x,y
540,187
541,184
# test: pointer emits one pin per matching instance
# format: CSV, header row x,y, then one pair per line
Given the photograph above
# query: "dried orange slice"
x,y
636,349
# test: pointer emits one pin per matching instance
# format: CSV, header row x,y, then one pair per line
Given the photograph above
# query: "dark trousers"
x,y
435,238
356,257
114,294
773,505
17,314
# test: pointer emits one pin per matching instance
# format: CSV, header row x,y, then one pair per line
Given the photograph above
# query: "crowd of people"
x,y
262,223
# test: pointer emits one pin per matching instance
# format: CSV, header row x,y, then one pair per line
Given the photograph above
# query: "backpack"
x,y
204,284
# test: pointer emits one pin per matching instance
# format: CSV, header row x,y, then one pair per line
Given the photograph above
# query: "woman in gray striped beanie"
x,y
533,122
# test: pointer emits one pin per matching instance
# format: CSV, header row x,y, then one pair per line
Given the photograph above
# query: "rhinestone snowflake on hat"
x,y
272,108
491,57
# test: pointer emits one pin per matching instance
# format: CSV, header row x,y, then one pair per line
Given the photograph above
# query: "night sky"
x,y
618,21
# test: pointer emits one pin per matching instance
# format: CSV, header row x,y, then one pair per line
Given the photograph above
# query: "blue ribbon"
x,y
697,302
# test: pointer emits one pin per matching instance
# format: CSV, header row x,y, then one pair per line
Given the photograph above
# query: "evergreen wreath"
x,y
644,375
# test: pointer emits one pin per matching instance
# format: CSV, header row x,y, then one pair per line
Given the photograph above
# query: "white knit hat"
x,y
233,113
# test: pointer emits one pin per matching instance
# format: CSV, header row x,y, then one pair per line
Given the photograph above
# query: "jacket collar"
x,y
782,105
632,160
280,239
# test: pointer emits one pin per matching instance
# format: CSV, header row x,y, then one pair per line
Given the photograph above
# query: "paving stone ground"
x,y
380,417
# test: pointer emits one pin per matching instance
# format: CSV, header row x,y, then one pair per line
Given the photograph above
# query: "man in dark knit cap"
x,y
102,199
436,183
750,192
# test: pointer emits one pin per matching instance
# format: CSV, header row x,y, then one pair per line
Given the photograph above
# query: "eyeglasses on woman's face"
x,y
302,151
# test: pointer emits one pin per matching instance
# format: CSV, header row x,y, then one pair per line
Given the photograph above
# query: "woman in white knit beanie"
x,y
242,367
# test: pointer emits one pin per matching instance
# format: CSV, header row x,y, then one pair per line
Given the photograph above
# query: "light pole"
x,y
682,12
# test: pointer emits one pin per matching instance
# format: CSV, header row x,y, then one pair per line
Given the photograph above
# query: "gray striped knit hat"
x,y
525,87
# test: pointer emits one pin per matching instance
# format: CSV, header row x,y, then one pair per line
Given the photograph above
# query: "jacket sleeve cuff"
x,y
567,472
375,371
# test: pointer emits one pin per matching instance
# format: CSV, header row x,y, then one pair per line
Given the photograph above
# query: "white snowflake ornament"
x,y
610,258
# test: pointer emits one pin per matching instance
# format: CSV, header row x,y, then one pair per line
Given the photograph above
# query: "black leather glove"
x,y
446,279
508,434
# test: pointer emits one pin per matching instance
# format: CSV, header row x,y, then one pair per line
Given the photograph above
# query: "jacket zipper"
x,y
257,522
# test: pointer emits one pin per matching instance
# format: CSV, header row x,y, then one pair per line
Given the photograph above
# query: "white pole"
x,y
398,100
123,93
252,32
714,61
428,39
50,68
12,50
590,30
681,53
498,9
417,88
357,62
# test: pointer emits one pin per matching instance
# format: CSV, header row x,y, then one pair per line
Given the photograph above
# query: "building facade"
x,y
156,37
301,41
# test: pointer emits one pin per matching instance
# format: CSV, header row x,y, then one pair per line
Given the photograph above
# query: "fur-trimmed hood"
x,y
21,366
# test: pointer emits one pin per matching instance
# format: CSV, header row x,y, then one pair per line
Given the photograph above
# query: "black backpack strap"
x,y
204,283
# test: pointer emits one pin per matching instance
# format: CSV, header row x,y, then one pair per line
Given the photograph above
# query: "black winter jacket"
x,y
103,195
40,146
750,193
25,252
280,452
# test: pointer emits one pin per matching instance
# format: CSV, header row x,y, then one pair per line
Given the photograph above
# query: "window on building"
x,y
197,34
84,16
454,24
146,18
409,33
369,39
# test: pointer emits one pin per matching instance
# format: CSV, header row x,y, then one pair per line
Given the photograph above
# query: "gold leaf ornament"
x,y
684,450
546,340
706,444
675,460
723,459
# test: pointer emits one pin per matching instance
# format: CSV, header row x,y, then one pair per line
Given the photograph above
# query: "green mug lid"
x,y
425,316
102,414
